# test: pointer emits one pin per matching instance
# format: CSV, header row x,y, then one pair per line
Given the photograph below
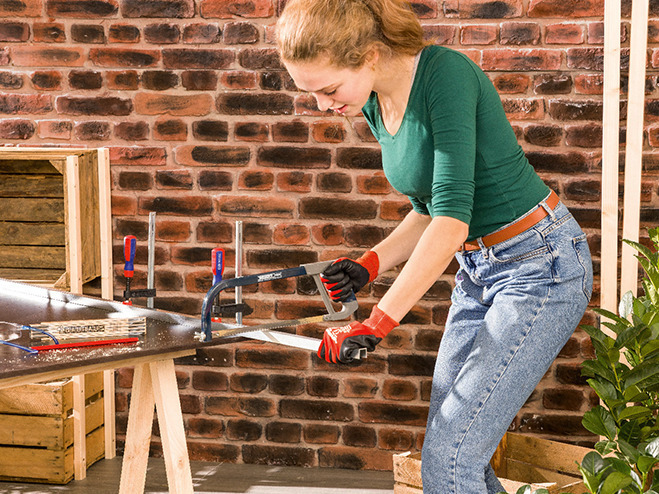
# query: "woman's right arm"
x,y
400,243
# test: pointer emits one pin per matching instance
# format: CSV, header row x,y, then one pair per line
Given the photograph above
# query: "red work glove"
x,y
345,275
340,344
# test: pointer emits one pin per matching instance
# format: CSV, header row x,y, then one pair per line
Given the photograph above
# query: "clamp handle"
x,y
130,244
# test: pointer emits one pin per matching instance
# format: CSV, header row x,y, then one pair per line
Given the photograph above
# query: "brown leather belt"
x,y
516,228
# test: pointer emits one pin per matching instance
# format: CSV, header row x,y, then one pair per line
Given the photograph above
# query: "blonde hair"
x,y
346,30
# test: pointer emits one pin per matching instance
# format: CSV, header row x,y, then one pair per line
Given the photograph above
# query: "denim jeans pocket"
x,y
524,247
583,255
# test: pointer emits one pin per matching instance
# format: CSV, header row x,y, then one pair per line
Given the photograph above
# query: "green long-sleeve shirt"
x,y
455,153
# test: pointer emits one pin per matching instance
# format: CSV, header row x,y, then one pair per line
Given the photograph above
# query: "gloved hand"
x,y
339,344
345,275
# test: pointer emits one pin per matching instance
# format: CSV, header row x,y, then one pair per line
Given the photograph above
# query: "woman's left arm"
x,y
440,241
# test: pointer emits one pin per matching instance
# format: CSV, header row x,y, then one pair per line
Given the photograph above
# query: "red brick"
x,y
256,180
395,439
215,180
248,382
587,58
305,104
382,412
543,135
14,31
46,80
373,184
123,57
394,210
325,410
399,390
160,34
140,156
54,129
26,8
478,34
170,129
237,406
4,56
132,180
511,83
519,33
524,109
132,131
123,33
216,453
443,34
93,105
158,104
16,129
360,388
251,132
279,455
272,359
239,8
566,8
240,33
201,33
39,56
236,79
584,136
164,9
295,131
204,427
327,234
321,434
211,155
185,58
484,9
199,80
49,32
289,234
210,380
424,9
295,181
575,109
359,436
256,206
124,79
552,84
331,132
294,157
364,132
123,205
243,430
21,104
588,83
92,131
81,8
521,59
322,386
254,104
355,458
552,424
334,182
564,34
283,432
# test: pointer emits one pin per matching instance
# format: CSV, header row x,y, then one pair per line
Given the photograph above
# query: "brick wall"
x,y
205,128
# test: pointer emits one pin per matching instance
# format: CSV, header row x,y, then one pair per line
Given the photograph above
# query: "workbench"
x,y
168,336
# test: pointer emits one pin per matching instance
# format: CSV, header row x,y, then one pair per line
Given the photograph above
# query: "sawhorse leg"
x,y
155,384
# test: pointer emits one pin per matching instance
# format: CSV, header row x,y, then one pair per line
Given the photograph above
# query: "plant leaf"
x,y
645,463
625,307
604,389
635,412
600,421
615,482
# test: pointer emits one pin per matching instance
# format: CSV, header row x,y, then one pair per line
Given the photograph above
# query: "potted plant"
x,y
625,375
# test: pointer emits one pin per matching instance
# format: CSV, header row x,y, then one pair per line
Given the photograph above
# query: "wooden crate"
x,y
49,215
519,460
36,430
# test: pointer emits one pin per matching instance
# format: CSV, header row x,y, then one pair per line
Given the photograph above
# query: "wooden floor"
x,y
214,478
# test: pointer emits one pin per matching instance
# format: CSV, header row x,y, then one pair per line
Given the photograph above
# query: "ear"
x,y
372,56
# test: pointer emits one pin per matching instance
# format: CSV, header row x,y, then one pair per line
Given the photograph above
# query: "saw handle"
x,y
217,256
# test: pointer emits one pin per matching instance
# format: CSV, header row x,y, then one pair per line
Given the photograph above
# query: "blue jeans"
x,y
514,306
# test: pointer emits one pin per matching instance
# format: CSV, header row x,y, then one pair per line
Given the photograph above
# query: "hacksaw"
x,y
314,270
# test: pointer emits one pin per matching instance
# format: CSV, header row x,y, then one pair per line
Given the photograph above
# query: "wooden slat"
x,y
610,157
32,257
559,457
526,472
634,146
407,468
16,164
31,186
15,233
26,209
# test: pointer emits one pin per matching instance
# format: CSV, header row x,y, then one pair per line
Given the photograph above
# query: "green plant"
x,y
625,375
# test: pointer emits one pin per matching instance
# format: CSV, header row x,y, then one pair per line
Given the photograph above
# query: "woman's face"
x,y
343,90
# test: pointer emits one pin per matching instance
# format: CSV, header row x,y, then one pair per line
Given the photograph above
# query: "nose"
x,y
323,101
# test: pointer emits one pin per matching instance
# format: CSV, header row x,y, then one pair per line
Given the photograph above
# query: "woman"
x,y
525,274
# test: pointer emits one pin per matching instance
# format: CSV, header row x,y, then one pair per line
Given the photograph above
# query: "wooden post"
x,y
610,156
634,151
107,291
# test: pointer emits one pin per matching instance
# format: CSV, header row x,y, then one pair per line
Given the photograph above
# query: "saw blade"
x,y
228,332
